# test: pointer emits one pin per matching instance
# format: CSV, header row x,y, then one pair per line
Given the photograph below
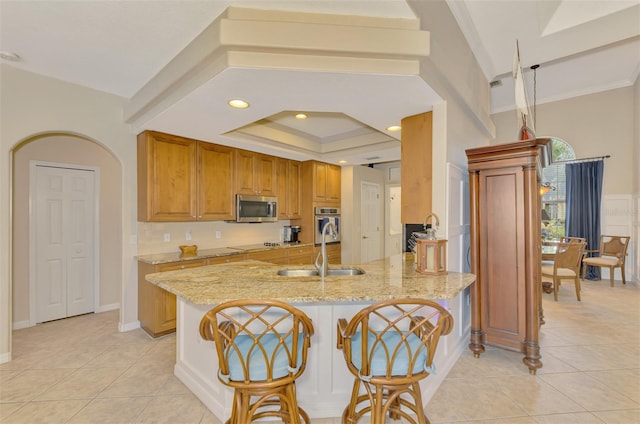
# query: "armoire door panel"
x,y
505,240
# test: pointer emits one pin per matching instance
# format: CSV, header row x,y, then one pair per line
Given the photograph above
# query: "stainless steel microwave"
x,y
256,208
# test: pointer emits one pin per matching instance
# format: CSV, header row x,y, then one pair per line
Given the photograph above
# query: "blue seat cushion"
x,y
381,357
258,362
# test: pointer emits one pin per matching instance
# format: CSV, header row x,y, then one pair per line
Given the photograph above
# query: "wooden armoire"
x,y
506,246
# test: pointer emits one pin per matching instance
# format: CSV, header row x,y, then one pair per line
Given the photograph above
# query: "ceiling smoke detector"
x,y
496,83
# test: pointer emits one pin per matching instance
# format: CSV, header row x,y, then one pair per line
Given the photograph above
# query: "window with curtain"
x,y
554,201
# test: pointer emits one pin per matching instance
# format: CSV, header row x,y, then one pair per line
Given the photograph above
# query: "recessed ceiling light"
x,y
238,104
394,128
9,56
301,116
342,161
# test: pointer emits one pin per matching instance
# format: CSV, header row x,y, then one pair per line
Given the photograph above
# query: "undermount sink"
x,y
345,271
314,273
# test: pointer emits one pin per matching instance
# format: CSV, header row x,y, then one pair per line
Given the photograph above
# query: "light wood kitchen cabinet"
x,y
293,255
226,259
157,307
320,187
255,173
324,180
274,256
289,173
216,177
334,253
166,177
416,176
181,179
302,255
506,246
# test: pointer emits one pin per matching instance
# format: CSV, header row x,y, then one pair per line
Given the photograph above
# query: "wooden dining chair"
x,y
262,349
611,253
389,347
566,265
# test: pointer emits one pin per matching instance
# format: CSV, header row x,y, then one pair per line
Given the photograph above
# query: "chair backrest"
x,y
258,340
573,240
615,246
401,334
569,255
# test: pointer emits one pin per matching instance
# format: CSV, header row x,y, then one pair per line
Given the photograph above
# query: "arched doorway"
x,y
66,149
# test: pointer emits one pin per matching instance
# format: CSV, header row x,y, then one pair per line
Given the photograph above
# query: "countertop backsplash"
x,y
204,235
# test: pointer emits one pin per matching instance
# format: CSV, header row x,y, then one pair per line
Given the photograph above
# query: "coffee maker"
x,y
291,233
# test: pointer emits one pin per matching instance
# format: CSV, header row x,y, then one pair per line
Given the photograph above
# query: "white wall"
x,y
393,241
462,119
31,105
351,186
594,125
64,149
204,234
604,123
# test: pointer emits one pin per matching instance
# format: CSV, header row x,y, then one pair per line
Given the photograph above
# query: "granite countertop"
x,y
393,277
162,258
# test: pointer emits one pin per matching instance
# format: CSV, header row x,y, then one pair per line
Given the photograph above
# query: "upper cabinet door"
x,y
255,174
216,177
293,189
266,180
320,181
416,176
166,177
245,172
333,183
326,184
288,174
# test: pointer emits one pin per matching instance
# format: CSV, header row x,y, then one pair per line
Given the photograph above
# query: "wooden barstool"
x,y
397,352
262,349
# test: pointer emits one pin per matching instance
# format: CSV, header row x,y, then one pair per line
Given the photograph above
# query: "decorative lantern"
x,y
431,256
431,253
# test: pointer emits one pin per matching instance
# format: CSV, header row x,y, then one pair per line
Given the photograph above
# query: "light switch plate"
x,y
167,237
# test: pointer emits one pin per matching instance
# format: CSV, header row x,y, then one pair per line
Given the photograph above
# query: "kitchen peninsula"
x,y
325,386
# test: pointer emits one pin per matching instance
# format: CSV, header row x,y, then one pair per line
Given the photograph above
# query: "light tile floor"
x,y
82,370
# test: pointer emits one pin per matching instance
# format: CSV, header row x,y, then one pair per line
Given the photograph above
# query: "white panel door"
x,y
370,243
458,227
64,210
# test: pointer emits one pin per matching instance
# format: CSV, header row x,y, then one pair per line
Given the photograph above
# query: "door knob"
x,y
365,237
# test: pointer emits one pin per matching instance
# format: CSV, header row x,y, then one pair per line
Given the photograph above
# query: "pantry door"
x,y
64,224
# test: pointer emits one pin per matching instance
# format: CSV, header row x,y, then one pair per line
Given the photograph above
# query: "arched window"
x,y
554,205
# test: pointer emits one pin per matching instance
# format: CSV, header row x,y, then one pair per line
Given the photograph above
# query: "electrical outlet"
x,y
218,234
188,235
167,237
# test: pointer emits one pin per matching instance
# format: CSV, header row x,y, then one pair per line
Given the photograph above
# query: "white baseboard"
x,y
5,357
19,325
106,308
128,326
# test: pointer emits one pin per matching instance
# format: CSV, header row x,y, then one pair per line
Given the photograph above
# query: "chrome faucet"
x,y
322,268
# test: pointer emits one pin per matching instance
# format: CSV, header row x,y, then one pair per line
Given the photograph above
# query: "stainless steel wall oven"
x,y
324,215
